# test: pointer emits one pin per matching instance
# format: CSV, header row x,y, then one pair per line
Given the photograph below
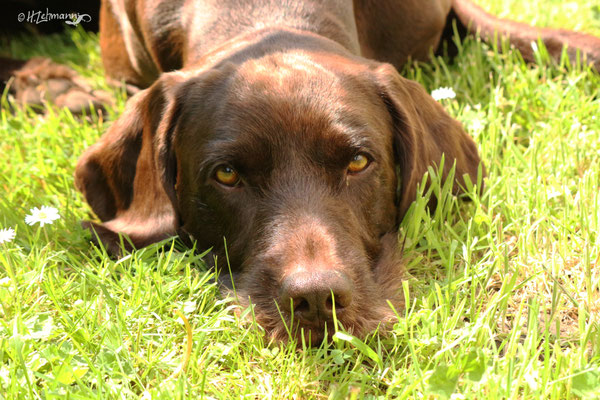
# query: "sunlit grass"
x,y
503,291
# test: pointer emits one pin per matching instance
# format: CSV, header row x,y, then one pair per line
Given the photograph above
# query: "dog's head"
x,y
290,163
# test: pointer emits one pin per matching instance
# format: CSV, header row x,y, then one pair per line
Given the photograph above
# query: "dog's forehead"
x,y
294,110
283,71
286,108
321,80
306,94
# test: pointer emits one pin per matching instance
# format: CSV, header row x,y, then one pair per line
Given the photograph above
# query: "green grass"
x,y
568,14
503,293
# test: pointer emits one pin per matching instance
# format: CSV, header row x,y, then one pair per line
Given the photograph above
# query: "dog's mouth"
x,y
313,334
310,304
281,326
311,325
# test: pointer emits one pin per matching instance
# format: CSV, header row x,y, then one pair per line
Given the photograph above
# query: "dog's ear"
x,y
128,176
423,132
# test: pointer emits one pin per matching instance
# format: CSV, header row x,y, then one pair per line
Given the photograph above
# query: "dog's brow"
x,y
356,133
219,152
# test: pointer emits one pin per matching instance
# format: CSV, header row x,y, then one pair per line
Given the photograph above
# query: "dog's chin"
x,y
281,328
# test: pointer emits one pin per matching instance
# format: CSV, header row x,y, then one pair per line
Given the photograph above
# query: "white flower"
x,y
443,93
6,235
534,47
44,215
477,125
576,125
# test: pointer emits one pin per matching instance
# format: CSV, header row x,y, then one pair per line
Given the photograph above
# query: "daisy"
x,y
44,215
477,125
6,235
443,93
534,47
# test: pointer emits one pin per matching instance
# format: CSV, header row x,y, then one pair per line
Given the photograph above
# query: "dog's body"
x,y
142,38
283,131
138,45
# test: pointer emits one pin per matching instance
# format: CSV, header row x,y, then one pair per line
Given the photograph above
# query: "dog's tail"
x,y
491,28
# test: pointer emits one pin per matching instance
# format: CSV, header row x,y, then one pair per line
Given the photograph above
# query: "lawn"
x,y
503,292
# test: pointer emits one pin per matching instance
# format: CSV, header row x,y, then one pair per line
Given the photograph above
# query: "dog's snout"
x,y
311,296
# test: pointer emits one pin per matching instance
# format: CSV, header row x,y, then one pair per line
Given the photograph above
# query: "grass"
x,y
503,295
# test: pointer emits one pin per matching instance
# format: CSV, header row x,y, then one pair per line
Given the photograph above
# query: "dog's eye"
x,y
359,163
227,176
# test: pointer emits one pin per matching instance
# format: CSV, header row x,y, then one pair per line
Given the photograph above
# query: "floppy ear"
x,y
423,132
128,176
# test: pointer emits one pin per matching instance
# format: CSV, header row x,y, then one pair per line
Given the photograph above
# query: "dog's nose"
x,y
312,295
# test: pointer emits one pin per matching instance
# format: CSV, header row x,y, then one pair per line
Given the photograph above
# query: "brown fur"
x,y
286,93
39,79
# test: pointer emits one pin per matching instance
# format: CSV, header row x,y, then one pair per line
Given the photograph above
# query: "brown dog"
x,y
279,133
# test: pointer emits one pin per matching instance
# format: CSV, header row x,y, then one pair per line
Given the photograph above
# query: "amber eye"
x,y
359,163
227,176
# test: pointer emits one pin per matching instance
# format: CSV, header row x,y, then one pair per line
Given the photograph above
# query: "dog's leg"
x,y
39,79
476,20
